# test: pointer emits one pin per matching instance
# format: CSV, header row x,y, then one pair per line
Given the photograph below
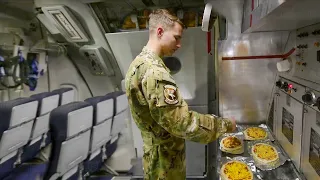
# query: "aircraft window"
x,y
173,63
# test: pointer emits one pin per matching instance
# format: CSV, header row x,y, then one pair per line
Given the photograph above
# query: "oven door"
x,y
310,158
272,118
289,126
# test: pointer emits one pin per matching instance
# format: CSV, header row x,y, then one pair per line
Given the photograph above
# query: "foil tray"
x,y
284,171
282,157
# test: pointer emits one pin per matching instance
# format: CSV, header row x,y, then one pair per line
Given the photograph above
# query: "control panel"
x,y
98,60
291,88
303,94
308,53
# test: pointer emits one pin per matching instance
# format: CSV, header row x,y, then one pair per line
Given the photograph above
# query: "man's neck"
x,y
152,46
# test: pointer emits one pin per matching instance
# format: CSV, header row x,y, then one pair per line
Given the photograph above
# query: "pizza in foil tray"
x,y
236,170
231,144
255,133
265,154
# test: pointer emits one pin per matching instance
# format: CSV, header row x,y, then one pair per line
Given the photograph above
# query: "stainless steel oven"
x,y
288,124
310,156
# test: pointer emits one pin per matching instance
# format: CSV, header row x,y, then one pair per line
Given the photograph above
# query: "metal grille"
x,y
314,154
287,124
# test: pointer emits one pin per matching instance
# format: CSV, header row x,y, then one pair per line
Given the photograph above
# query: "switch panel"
x,y
291,88
98,60
308,53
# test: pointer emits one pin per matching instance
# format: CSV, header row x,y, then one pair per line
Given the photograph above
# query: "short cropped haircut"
x,y
163,17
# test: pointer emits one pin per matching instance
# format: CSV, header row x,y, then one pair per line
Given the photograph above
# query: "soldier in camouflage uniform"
x,y
158,108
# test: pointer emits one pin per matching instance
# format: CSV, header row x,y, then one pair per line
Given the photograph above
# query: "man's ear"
x,y
160,32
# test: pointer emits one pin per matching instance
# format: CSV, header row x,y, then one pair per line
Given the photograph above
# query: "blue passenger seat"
x,y
101,132
70,127
17,117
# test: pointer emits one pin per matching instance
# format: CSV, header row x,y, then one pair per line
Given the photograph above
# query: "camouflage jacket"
x,y
164,119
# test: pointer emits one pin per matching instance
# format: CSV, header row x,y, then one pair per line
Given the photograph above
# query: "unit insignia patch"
x,y
170,94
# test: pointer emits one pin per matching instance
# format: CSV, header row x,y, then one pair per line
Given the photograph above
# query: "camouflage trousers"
x,y
160,163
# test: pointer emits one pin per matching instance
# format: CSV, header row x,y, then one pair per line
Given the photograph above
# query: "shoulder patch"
x,y
170,94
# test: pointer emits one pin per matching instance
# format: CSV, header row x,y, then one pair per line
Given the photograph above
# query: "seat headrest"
x,y
47,102
121,103
103,108
62,90
17,111
66,95
115,96
70,119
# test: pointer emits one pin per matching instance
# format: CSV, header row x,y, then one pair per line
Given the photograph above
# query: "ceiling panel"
x,y
25,5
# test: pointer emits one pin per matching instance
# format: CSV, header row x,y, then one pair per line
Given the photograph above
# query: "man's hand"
x,y
234,124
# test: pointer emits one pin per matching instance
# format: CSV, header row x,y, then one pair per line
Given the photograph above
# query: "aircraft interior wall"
x,y
61,66
56,66
252,91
